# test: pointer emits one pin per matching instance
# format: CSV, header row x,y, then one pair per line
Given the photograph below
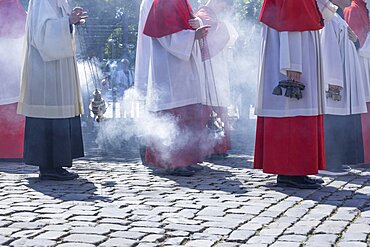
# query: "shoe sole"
x,y
196,168
180,174
56,178
329,173
285,184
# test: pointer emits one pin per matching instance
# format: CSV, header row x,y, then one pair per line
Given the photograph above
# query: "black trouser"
x,y
52,143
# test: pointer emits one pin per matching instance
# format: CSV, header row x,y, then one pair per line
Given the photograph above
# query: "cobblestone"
x,y
24,242
119,202
85,238
119,242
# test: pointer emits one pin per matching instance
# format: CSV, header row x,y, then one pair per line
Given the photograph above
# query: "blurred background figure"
x,y
124,77
12,24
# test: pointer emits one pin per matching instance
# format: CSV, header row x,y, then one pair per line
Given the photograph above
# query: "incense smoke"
x,y
134,125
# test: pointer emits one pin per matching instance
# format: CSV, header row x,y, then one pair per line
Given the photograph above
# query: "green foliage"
x,y
248,9
111,27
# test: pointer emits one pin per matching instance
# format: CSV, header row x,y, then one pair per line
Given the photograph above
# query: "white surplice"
x,y
177,72
143,51
364,53
341,67
50,83
217,81
289,51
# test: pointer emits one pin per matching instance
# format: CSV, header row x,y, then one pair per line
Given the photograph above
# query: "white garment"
x,y
10,69
341,67
221,37
124,80
177,72
327,9
50,83
364,53
143,51
289,51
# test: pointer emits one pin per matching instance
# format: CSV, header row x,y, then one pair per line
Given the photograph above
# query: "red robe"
x,y
357,17
189,148
291,15
12,19
11,132
292,146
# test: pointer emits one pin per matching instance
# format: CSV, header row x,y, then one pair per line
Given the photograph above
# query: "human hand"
x,y
77,16
294,75
335,88
194,23
352,36
201,32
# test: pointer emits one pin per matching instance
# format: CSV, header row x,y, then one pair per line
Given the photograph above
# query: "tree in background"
x,y
111,30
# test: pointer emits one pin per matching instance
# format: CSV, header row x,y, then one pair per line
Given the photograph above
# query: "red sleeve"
x,y
357,22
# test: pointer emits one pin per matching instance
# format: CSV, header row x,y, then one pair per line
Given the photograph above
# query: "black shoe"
x,y
54,175
195,168
299,182
216,157
142,151
65,172
346,168
180,172
314,180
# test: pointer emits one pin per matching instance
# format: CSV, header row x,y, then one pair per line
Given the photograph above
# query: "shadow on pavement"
x,y
234,161
208,179
355,178
74,190
330,195
17,168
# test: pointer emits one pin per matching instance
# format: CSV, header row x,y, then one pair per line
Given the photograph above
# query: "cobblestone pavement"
x,y
119,202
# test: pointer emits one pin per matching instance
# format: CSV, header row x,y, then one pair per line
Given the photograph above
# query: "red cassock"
x,y
292,146
357,17
12,19
189,148
11,132
365,121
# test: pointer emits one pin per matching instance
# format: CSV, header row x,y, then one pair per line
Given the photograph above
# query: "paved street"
x,y
120,202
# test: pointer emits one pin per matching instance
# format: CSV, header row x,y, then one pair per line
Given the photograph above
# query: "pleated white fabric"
x,y
342,68
289,51
50,86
